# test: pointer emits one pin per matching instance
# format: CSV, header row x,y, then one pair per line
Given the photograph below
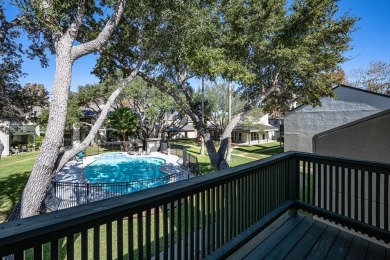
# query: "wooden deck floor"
x,y
301,237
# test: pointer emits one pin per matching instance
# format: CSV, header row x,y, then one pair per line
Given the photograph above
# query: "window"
x,y
236,136
254,136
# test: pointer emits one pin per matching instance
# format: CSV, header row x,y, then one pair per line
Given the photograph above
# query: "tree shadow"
x,y
253,149
205,168
11,189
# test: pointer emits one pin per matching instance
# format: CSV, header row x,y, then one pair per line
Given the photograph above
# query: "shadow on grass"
x,y
205,168
185,141
257,149
11,189
273,151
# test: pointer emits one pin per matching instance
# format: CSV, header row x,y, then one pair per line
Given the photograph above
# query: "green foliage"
x,y
74,113
292,48
124,121
150,104
38,141
217,95
251,119
13,101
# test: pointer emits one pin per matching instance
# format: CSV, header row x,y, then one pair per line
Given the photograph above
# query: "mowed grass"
x,y
240,154
15,169
14,173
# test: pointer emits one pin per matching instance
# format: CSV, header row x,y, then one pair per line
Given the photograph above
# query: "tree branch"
x,y
98,43
100,120
75,26
172,93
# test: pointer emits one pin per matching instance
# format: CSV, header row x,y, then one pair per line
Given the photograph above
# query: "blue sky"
x,y
371,41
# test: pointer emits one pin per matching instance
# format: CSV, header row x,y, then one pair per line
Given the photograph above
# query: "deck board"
x,y
259,238
283,248
340,247
358,249
375,251
301,237
273,240
324,243
307,242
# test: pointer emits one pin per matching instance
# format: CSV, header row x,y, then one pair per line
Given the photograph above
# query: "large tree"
x,y
71,30
175,41
275,51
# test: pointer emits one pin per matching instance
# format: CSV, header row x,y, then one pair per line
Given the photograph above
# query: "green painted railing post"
x,y
293,178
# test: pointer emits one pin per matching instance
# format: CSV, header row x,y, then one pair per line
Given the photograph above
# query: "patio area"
x,y
71,188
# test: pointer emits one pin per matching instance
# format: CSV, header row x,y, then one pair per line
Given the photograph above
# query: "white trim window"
x,y
236,136
254,136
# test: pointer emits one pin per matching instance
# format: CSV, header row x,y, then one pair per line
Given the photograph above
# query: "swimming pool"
x,y
123,174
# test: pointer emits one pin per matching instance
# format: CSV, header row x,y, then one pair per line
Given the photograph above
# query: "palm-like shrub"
x,y
124,121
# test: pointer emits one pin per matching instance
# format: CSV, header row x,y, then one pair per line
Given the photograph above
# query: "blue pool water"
x,y
119,173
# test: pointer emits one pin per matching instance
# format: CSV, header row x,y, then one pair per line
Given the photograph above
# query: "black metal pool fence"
x,y
69,194
187,160
66,194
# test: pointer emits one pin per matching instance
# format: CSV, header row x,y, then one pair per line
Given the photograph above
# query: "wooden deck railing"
x,y
192,219
353,189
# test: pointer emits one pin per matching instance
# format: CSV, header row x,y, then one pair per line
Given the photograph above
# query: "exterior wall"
x,y
5,137
348,94
275,122
192,135
246,138
304,122
365,139
264,119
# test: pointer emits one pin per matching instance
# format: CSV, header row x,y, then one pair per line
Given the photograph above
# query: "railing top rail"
x,y
121,206
345,162
166,176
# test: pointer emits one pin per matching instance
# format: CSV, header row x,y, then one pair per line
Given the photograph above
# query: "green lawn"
x,y
15,169
14,172
240,155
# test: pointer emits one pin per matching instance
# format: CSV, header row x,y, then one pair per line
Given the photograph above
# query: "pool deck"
x,y
73,171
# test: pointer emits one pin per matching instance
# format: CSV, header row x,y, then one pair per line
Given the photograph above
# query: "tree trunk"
x,y
76,134
69,155
1,148
48,161
201,145
229,151
217,159
44,166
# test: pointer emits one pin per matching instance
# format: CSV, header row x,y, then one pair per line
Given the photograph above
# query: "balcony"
x,y
292,205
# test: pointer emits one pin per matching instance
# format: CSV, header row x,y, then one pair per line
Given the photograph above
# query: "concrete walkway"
x,y
68,195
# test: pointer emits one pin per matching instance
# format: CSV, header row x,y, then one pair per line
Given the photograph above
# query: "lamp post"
x,y
202,138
